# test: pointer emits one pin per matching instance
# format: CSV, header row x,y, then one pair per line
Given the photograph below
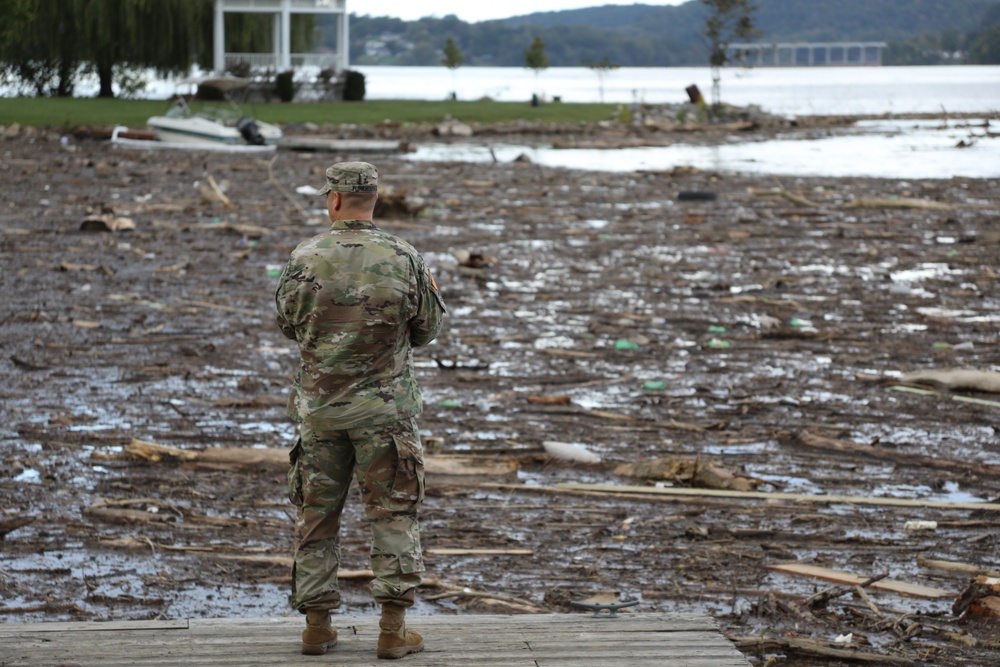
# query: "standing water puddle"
x,y
877,149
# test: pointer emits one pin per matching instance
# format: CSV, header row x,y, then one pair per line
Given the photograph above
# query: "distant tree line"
x,y
45,45
979,46
657,36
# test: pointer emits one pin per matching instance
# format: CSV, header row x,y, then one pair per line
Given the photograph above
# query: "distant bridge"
x,y
811,54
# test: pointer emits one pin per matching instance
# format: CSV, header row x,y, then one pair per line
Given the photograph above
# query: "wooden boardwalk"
x,y
630,640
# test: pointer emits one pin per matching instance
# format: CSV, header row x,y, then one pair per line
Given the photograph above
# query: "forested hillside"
x,y
783,20
662,36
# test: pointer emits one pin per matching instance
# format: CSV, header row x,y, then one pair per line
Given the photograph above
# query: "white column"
x,y
285,60
276,40
219,45
343,41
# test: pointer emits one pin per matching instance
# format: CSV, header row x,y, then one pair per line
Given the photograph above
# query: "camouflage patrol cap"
x,y
351,177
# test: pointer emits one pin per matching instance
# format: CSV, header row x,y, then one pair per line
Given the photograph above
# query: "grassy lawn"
x,y
72,112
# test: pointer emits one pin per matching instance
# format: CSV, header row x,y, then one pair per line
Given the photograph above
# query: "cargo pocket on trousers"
x,y
295,474
408,484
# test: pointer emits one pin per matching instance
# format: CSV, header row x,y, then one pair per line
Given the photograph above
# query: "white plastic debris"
x,y
914,526
844,639
570,452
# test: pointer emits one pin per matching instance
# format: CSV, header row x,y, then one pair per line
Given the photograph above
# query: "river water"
x,y
879,149
780,90
885,148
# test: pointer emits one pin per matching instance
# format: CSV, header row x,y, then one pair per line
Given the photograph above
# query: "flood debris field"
x,y
750,335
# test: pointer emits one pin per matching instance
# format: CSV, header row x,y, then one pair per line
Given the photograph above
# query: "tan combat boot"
x,y
394,640
319,634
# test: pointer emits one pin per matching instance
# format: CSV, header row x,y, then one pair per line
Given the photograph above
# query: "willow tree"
x,y
165,35
39,46
728,21
42,41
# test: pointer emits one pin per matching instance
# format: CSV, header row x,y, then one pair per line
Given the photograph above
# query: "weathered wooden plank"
x,y
663,660
347,654
640,491
479,552
851,579
635,623
85,626
634,640
303,143
675,640
521,622
366,656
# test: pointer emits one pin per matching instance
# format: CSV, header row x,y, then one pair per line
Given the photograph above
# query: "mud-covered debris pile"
x,y
767,333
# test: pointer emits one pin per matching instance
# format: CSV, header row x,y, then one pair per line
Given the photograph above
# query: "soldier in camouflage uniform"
x,y
356,300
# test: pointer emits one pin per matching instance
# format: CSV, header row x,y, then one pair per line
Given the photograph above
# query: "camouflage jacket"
x,y
356,299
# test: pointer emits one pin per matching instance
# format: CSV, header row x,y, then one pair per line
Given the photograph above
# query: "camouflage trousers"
x,y
388,462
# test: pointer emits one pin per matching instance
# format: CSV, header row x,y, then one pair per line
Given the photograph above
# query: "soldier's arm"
x,y
426,323
284,293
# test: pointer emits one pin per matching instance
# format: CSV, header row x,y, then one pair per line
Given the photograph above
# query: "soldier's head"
x,y
351,190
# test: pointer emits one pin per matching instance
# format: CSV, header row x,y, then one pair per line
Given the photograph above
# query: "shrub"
x,y
354,86
284,86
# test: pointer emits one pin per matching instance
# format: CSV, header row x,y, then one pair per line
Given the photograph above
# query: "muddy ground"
x,y
759,332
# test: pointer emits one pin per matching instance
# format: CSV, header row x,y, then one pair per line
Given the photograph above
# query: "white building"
x,y
282,59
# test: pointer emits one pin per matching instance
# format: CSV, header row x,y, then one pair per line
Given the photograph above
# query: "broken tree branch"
x,y
819,600
780,191
454,590
219,193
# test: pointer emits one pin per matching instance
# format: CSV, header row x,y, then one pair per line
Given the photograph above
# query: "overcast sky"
x,y
479,10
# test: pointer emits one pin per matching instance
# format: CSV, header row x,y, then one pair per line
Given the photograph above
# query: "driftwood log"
x,y
815,441
812,647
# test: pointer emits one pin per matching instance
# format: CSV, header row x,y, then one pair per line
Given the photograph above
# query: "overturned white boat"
x,y
213,123
120,139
